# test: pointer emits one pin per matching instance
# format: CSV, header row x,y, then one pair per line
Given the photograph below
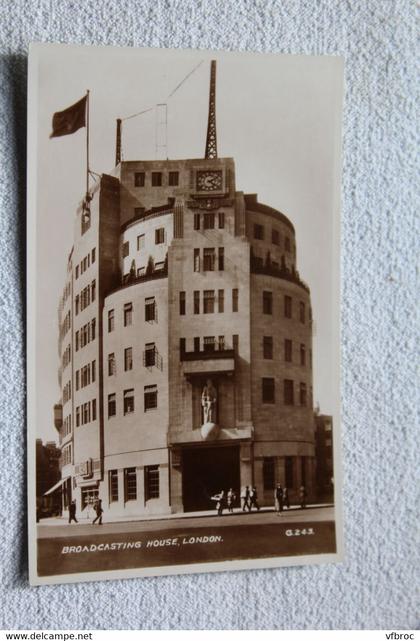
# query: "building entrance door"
x,y
205,472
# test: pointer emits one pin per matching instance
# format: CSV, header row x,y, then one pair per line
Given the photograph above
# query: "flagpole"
x,y
87,144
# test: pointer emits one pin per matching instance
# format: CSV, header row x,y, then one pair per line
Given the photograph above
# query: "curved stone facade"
x,y
195,288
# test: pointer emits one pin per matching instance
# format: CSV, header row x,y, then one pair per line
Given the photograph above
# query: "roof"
x,y
252,204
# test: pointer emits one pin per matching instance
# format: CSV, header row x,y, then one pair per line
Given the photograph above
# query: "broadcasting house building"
x,y
177,284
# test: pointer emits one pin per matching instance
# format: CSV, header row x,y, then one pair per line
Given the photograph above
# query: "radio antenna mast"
x,y
211,141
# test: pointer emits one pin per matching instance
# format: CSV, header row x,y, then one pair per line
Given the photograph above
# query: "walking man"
x,y
99,512
253,499
286,502
72,512
245,499
230,500
278,495
302,494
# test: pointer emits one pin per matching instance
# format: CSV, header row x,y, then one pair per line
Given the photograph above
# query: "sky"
x,y
277,116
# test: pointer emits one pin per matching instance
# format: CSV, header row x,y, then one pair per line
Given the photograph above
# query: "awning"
x,y
55,487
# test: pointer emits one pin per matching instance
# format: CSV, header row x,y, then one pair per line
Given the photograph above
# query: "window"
x,y
221,300
93,255
221,219
268,390
197,222
303,470
208,302
151,482
235,343
221,343
112,405
111,324
287,243
92,329
128,314
173,178
130,484
86,413
196,260
267,302
302,312
302,354
289,396
209,259
94,409
149,355
150,309
258,232
269,472
275,237
209,344
140,242
235,300
125,249
77,272
288,350
128,359
288,468
113,485
268,347
209,220
128,401
196,302
302,393
159,236
150,397
221,257
156,179
77,304
77,380
139,179
77,416
182,345
196,343
182,303
141,271
288,307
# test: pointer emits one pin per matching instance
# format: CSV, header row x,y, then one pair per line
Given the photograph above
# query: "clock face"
x,y
210,180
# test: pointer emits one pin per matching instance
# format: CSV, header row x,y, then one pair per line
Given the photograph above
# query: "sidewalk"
x,y
114,518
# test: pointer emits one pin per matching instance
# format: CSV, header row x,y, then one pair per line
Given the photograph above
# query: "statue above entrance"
x,y
209,429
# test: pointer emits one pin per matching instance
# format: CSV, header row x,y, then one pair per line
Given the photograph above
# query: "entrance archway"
x,y
205,472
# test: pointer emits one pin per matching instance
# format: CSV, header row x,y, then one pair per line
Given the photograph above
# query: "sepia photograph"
x,y
183,311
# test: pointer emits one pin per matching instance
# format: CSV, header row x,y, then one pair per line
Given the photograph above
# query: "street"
x,y
67,549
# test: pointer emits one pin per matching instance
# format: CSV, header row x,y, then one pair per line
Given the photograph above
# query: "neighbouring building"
x,y
324,456
47,476
177,284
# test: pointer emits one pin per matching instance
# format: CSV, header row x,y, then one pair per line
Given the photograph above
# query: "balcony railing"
x,y
198,355
268,268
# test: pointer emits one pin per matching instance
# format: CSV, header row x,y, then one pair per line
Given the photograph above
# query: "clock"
x,y
209,180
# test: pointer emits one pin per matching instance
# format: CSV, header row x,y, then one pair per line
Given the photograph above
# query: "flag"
x,y
70,120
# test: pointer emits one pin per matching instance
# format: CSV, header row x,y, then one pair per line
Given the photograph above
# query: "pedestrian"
x,y
220,502
72,512
302,495
278,496
99,512
253,499
245,498
286,502
230,500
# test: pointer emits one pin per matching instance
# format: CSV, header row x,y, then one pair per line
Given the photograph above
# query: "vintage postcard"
x,y
183,311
